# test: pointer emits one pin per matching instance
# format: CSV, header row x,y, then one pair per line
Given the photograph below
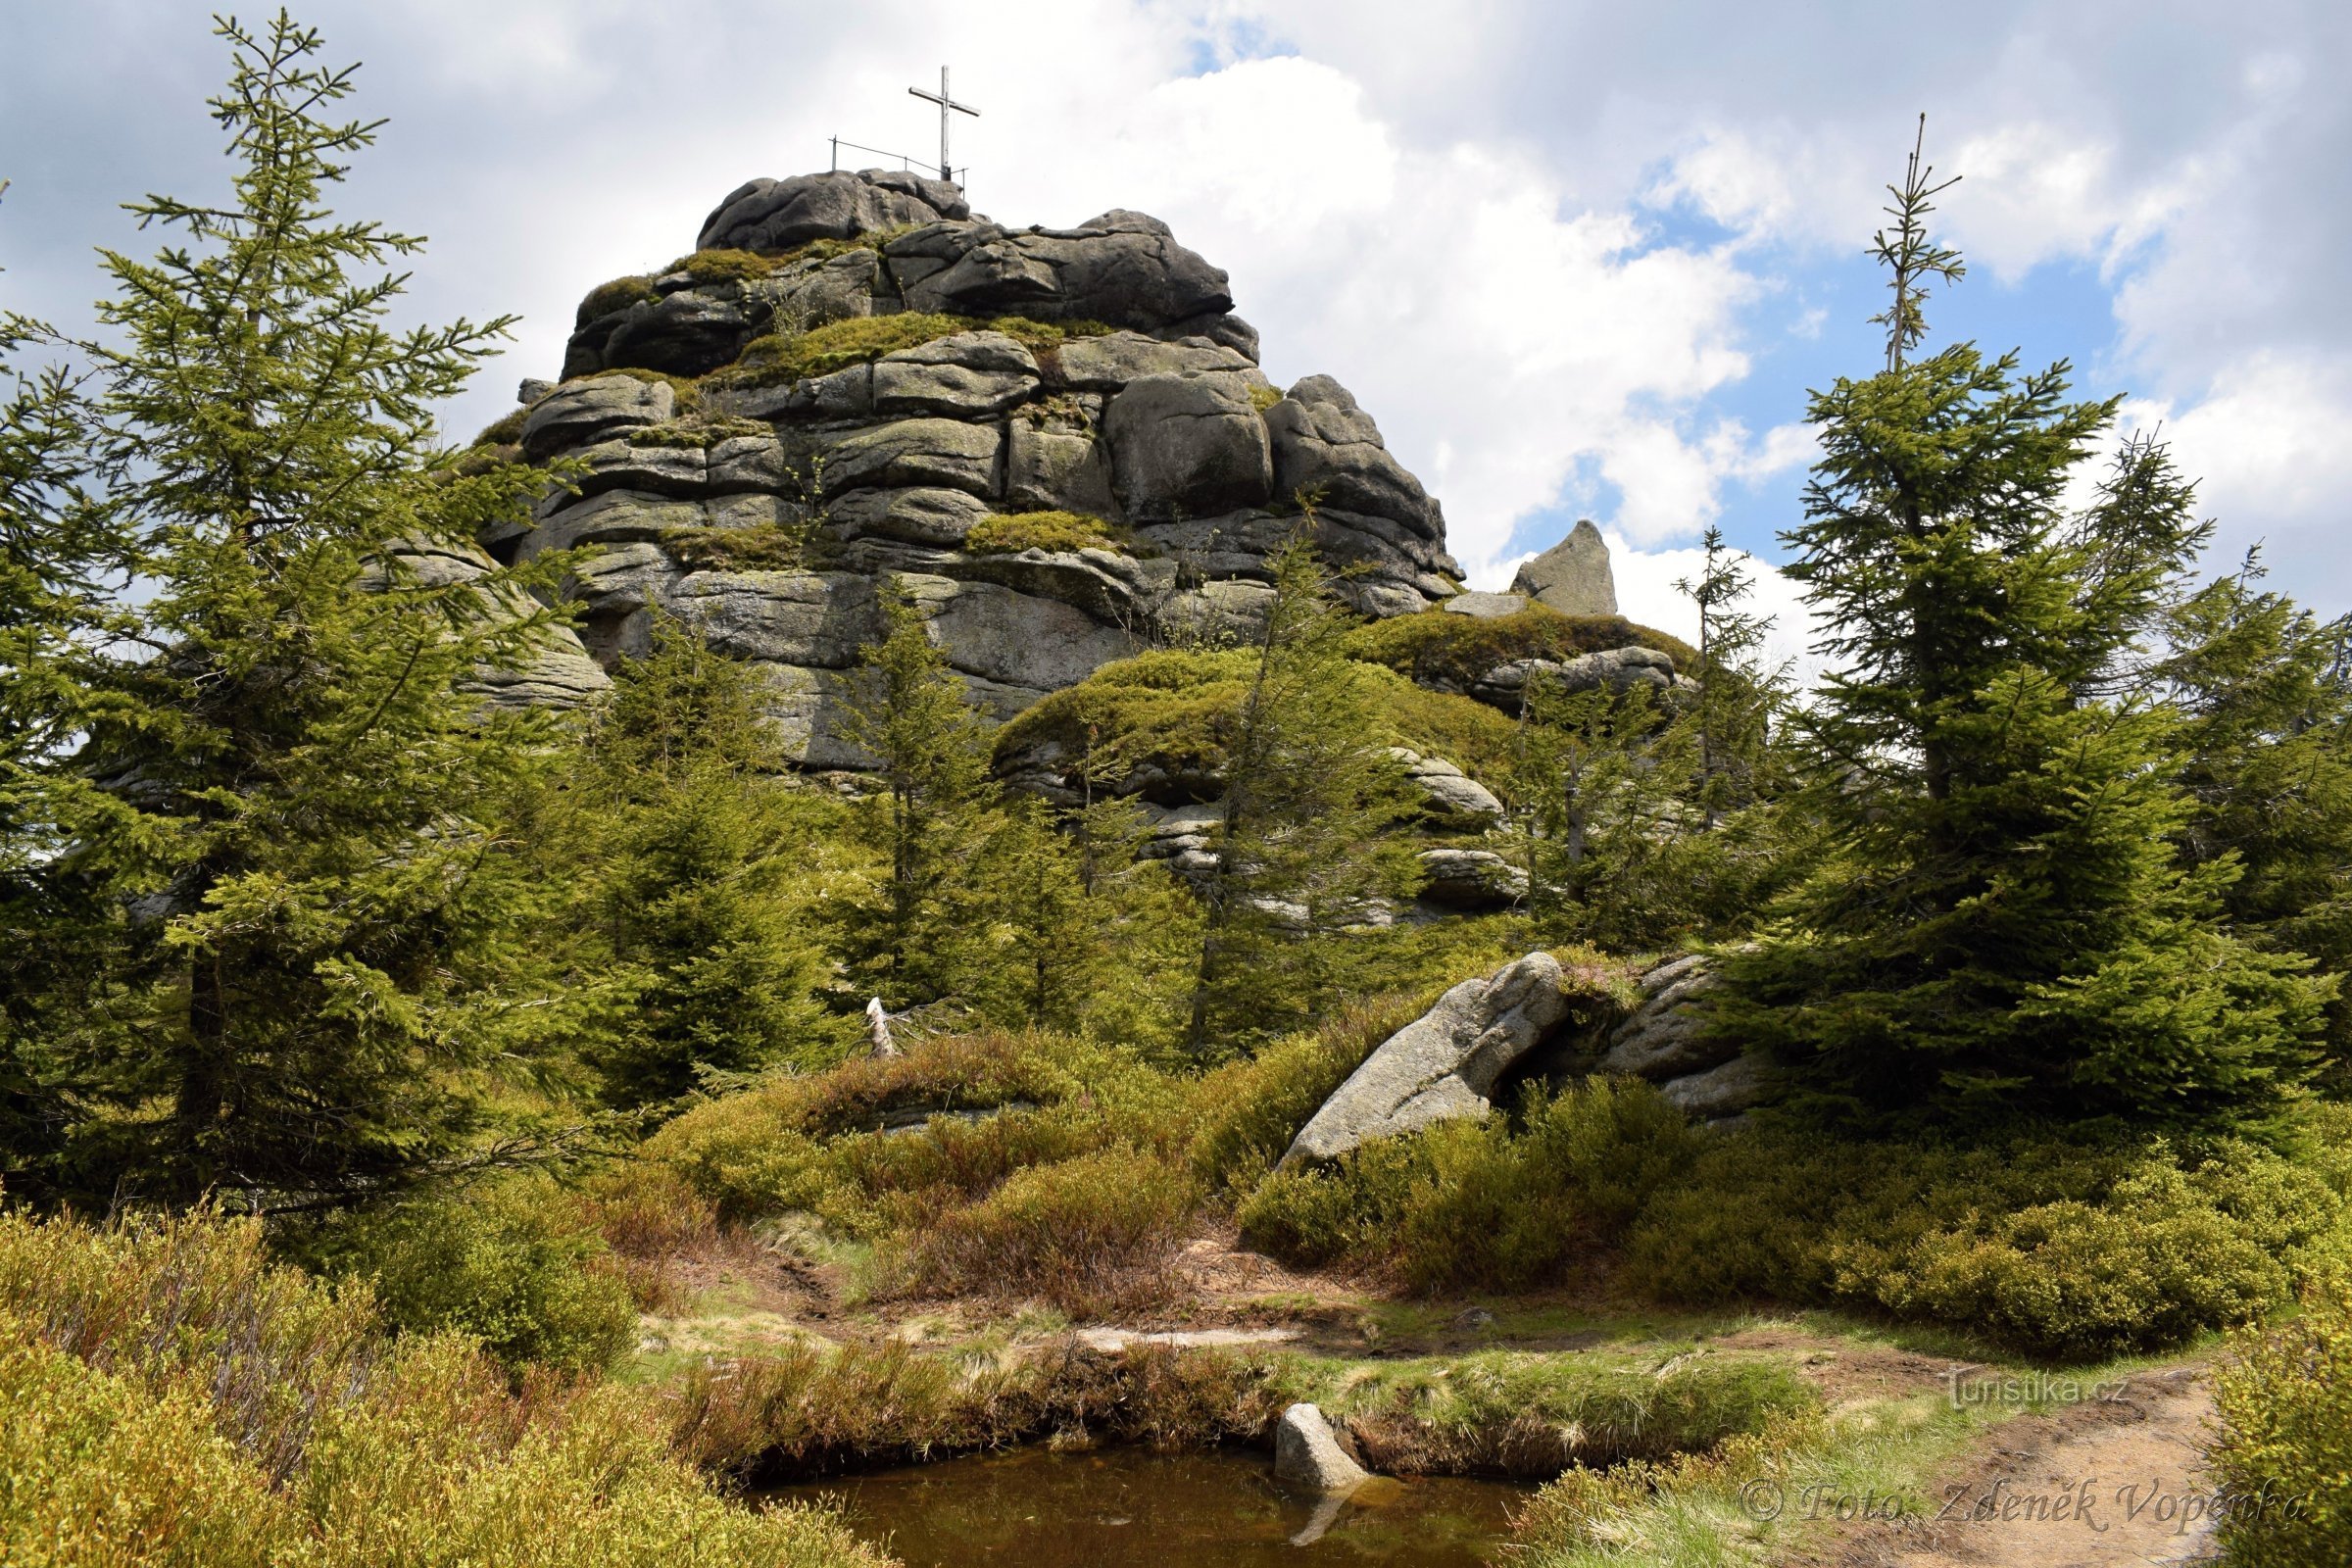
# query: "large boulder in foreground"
x,y
1442,1065
1307,1456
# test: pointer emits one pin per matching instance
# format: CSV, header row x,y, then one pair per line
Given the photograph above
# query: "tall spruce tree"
x,y
2265,691
931,749
314,966
703,854
2002,927
1301,854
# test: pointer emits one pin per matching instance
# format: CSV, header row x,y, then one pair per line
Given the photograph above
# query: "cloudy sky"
x,y
1580,259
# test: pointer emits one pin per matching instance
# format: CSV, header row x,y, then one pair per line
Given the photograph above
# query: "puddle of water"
x,y
1123,1506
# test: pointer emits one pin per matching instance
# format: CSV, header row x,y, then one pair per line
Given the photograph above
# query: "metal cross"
x,y
946,170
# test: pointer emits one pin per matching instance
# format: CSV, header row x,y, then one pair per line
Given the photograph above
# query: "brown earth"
x,y
2118,1479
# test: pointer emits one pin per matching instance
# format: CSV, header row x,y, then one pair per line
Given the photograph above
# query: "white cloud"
x,y
1646,593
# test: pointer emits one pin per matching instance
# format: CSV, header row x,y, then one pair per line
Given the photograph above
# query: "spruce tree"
x,y
931,752
1300,853
703,856
2265,691
315,964
2002,928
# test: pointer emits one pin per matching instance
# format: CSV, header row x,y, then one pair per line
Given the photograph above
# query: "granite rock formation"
x,y
1098,371
1573,576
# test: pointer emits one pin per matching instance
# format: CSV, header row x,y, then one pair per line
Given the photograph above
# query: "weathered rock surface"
x,y
1620,669
1449,797
778,215
1308,1455
1665,1036
1573,576
875,474
1189,444
1486,606
578,413
1665,1040
1471,879
1440,1066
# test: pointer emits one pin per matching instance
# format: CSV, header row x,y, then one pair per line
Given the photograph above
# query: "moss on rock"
x,y
1439,647
1012,531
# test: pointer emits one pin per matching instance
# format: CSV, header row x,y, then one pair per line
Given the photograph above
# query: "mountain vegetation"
x,y
432,1054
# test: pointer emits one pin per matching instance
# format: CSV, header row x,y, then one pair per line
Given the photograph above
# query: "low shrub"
x,y
1517,1413
517,1264
1251,1109
993,1102
763,547
1006,532
617,295
724,266
504,431
1469,1204
1094,1235
130,1358
2285,1457
2058,1248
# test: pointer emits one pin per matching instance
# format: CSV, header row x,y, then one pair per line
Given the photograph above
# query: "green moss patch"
x,y
502,433
1438,646
771,548
1179,709
1007,532
696,433
617,295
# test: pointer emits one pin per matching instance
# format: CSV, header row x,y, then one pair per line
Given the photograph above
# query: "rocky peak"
x,y
1056,442
1573,576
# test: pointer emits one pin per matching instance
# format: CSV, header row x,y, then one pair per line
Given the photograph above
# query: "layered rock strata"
x,y
776,512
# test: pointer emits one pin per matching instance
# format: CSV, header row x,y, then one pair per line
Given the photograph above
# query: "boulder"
x,y
1026,644
1190,443
690,333
579,412
972,375
1308,1456
1740,1085
1323,442
1471,879
777,214
1122,268
919,515
1573,576
1052,469
946,453
1620,669
1109,363
1449,797
1486,606
1665,1036
1440,1066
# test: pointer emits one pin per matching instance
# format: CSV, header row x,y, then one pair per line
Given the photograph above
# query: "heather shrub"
x,y
518,1265
170,1396
1251,1109
1481,1203
1007,532
2285,1457
1094,1235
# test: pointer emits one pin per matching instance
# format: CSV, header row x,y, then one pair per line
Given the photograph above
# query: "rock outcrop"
x,y
1440,1066
1573,576
1096,371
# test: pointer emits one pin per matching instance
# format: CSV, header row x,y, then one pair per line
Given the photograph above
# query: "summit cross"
x,y
947,170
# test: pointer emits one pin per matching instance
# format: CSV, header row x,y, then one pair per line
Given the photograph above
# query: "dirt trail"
x,y
2118,1480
